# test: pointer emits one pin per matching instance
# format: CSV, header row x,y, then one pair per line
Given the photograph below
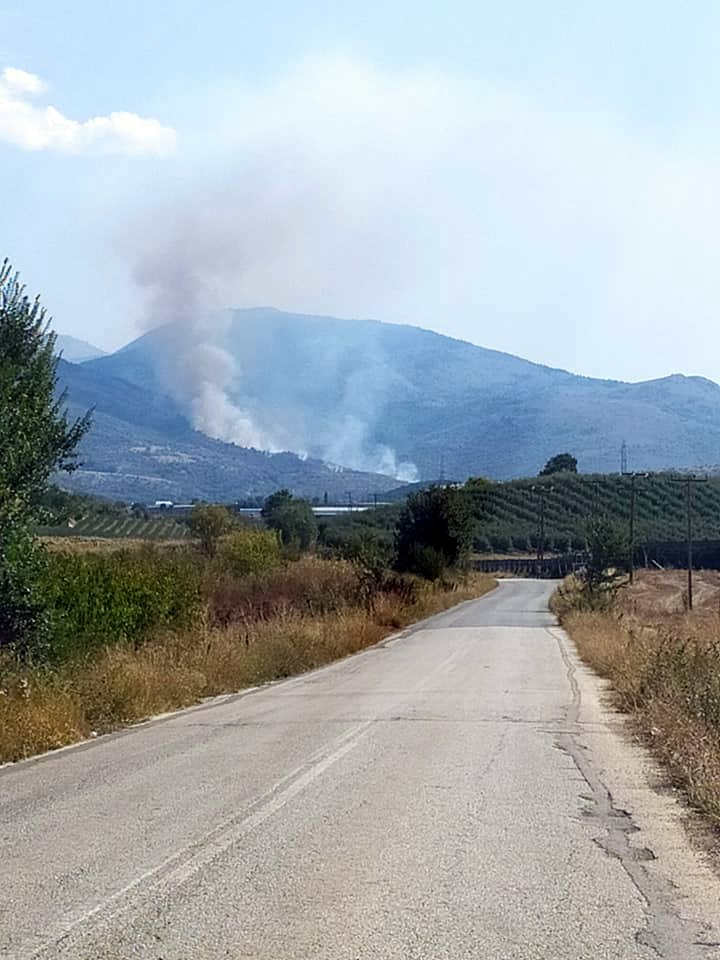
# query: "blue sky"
x,y
540,178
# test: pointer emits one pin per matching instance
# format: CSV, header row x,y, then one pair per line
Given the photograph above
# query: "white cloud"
x,y
30,126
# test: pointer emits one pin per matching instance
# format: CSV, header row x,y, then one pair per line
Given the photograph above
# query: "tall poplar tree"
x,y
37,439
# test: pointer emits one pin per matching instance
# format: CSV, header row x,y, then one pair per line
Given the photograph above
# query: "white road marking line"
x,y
181,866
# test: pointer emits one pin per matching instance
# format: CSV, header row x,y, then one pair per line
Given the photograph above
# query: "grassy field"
x,y
664,666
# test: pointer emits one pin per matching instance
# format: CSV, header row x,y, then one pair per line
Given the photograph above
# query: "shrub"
x,y
292,518
308,586
99,599
248,551
208,522
426,562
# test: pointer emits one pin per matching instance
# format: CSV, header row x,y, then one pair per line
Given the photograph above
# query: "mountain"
x,y
374,395
141,448
76,351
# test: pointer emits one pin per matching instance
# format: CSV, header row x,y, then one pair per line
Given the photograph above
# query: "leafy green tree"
x,y
37,440
560,463
292,518
209,522
435,530
275,502
608,555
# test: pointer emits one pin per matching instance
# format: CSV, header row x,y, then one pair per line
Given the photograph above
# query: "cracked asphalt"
x,y
461,791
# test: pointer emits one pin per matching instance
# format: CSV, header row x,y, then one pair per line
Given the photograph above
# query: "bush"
x,y
97,599
248,551
208,522
426,562
308,586
292,518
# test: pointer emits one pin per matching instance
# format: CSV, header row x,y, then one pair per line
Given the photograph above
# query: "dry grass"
x,y
665,592
41,710
665,670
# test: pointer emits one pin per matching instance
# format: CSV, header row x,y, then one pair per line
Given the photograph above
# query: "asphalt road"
x,y
458,792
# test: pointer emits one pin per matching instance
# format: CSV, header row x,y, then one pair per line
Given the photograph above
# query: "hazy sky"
x,y
540,178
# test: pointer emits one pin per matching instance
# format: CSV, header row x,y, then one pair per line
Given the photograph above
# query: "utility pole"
x,y
633,478
542,490
623,458
689,481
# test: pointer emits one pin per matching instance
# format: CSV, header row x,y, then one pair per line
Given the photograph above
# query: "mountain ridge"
x,y
75,350
141,448
355,391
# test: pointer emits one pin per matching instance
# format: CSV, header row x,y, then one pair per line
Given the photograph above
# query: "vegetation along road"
x,y
459,791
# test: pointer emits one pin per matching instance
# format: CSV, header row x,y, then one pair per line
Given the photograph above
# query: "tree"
x,y
560,463
292,518
36,440
435,531
209,522
608,555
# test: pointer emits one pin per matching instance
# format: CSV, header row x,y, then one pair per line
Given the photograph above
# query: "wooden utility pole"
x,y
633,478
689,481
542,490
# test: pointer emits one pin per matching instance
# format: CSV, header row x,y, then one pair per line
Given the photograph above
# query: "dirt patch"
x,y
658,593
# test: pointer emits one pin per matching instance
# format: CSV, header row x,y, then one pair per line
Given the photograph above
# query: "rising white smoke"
x,y
197,371
209,374
290,216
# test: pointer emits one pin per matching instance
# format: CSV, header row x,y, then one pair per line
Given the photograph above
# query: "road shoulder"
x,y
640,821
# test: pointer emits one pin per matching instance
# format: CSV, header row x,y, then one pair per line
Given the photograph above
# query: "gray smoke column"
x,y
283,202
199,254
195,368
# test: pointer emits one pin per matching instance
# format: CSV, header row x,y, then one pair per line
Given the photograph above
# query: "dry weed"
x,y
665,671
119,685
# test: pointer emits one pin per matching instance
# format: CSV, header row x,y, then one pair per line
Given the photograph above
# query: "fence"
x,y
550,568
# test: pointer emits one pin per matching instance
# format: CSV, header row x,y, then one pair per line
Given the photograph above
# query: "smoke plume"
x,y
272,221
195,368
